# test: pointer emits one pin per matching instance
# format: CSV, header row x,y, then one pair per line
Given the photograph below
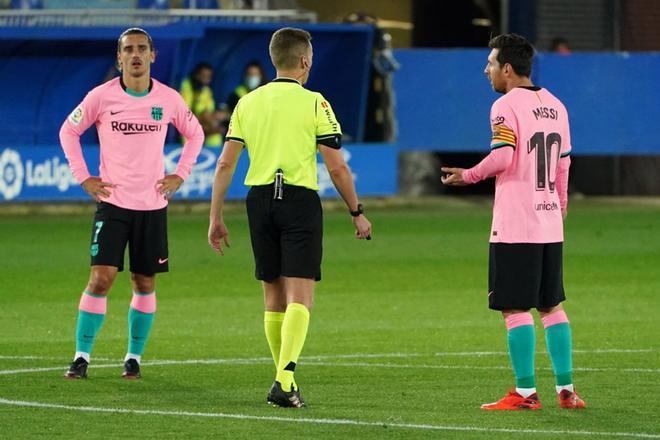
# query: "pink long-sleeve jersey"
x,y
530,158
132,132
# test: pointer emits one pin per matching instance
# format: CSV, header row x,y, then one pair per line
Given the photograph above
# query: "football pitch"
x,y
401,343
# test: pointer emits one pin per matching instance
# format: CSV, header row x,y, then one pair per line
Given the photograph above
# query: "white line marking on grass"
x,y
468,367
239,361
617,350
28,358
504,353
377,355
323,421
265,360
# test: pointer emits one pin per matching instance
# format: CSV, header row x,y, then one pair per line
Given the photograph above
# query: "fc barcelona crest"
x,y
157,113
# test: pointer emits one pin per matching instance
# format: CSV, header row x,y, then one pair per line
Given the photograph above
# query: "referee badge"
x,y
157,113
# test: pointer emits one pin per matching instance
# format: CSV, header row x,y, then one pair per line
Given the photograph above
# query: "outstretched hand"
x,y
453,177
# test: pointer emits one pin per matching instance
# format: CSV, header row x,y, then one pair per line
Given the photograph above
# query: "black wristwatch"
x,y
360,211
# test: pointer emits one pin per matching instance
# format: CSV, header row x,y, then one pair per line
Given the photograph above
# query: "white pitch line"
x,y
383,355
264,360
239,361
53,358
344,422
538,353
470,367
616,350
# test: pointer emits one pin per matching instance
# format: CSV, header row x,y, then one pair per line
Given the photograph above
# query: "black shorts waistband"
x,y
267,190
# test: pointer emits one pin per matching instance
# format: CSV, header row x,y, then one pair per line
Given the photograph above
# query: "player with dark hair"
x,y
131,114
283,125
530,158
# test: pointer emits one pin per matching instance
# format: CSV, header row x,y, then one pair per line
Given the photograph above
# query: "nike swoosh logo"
x,y
114,113
162,260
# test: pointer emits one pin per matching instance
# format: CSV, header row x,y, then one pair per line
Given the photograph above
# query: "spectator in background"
x,y
253,77
197,93
560,45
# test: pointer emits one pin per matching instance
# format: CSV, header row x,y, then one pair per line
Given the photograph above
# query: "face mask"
x,y
252,81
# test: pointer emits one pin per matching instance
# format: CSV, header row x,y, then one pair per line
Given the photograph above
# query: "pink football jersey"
x,y
132,134
530,157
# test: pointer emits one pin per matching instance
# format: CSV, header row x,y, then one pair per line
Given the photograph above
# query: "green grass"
x,y
418,288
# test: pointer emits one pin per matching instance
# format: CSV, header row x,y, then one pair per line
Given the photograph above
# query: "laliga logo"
x,y
326,187
202,175
11,174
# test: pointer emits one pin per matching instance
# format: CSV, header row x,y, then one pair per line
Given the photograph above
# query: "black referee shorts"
x,y
286,234
145,233
525,276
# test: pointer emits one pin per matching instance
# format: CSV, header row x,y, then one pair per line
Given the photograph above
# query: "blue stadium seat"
x,y
203,4
27,4
153,4
88,4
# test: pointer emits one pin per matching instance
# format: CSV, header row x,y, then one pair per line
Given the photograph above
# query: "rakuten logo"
x,y
133,128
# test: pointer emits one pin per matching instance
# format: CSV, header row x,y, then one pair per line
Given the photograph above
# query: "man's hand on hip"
x,y
168,185
96,188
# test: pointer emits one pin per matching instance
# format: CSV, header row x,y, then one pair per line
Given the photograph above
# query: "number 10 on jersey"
x,y
548,150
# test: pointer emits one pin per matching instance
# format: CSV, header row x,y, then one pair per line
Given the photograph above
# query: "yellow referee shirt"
x,y
281,124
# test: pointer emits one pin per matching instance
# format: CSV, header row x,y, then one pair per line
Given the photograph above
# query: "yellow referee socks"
x,y
294,332
273,329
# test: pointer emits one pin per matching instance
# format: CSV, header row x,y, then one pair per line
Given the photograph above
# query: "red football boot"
x,y
514,402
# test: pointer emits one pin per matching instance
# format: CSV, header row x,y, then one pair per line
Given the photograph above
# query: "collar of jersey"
x,y
532,88
133,92
285,79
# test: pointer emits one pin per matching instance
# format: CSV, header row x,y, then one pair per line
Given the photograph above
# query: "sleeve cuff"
x,y
82,176
181,173
468,176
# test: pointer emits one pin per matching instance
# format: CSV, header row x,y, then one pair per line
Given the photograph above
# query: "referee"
x,y
282,125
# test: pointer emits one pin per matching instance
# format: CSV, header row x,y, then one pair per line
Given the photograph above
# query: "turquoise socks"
x,y
91,315
522,342
560,346
140,320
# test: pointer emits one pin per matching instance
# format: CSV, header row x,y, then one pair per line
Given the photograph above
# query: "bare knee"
x,y
509,312
301,291
143,283
548,310
101,279
274,295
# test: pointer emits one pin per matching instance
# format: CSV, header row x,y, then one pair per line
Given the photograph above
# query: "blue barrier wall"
x,y
51,69
613,100
41,173
340,71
